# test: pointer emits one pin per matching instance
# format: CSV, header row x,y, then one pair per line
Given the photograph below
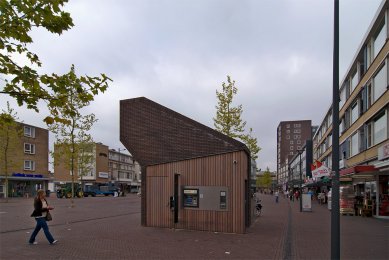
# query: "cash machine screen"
x,y
191,198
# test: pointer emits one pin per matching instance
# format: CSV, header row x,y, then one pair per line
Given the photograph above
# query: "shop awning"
x,y
359,170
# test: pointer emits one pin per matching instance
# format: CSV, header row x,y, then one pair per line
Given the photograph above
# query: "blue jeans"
x,y
41,223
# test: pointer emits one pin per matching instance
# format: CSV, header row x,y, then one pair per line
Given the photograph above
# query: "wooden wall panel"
x,y
217,170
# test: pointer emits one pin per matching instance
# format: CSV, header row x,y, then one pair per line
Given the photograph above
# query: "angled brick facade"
x,y
155,134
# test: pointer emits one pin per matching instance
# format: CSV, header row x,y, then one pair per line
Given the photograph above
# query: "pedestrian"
x,y
276,194
296,195
41,213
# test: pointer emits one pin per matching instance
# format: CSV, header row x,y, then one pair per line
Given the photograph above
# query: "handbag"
x,y
48,216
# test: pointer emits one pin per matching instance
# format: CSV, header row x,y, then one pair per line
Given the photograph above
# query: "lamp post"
x,y
335,219
121,186
301,180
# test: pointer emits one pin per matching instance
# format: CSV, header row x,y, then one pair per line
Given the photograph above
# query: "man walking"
x,y
276,194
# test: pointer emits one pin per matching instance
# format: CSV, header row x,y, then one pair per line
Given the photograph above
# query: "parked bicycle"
x,y
258,208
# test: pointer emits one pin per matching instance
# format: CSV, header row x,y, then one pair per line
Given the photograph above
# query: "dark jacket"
x,y
38,210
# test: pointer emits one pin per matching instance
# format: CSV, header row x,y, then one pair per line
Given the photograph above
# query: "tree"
x,y
22,81
71,130
86,158
10,144
265,180
228,118
251,143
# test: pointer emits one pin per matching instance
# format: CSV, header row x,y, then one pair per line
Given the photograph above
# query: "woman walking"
x,y
41,211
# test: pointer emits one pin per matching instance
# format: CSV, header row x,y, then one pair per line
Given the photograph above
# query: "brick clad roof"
x,y
155,134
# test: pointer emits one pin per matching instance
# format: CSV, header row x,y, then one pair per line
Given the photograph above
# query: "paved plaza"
x,y
109,228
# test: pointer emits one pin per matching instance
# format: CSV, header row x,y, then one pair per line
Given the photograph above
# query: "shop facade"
x,y
371,189
23,185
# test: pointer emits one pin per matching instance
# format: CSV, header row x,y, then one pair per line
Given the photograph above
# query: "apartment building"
x,y
29,170
299,167
124,170
363,115
96,172
104,166
291,137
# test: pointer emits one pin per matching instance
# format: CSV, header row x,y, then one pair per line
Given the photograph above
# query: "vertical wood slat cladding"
x,y
217,170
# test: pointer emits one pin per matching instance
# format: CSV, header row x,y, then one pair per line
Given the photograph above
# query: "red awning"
x,y
357,169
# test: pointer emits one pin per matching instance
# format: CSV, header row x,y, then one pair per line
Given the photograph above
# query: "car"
x,y
95,190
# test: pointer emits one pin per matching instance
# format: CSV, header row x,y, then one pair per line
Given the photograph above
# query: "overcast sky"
x,y
178,53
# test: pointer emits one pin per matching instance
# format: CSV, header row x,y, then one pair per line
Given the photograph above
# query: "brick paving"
x,y
109,228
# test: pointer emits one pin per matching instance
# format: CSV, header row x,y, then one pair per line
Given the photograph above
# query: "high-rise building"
x,y
291,137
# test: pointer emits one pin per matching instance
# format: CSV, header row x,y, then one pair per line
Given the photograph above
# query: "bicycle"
x,y
258,208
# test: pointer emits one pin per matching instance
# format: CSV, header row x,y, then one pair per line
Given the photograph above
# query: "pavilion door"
x,y
159,213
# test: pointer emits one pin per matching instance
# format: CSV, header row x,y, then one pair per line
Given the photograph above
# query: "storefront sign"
x,y
321,171
103,175
27,175
383,152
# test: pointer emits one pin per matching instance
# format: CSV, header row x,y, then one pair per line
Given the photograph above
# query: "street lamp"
x,y
301,180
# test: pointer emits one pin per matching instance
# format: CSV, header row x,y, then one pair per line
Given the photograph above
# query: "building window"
x,y
297,125
329,120
288,131
354,112
354,81
29,165
288,126
342,98
297,136
379,39
291,148
297,131
291,153
298,141
376,130
291,142
29,148
354,144
29,131
369,134
288,137
380,83
380,128
370,100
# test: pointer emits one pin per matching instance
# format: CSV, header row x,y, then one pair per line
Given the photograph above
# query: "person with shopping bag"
x,y
41,214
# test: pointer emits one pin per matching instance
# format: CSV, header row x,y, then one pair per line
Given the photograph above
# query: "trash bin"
x,y
47,193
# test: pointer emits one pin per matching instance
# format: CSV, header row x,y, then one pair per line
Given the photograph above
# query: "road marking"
x,y
2,212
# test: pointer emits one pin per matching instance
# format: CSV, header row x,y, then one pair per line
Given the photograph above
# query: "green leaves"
x,y
265,180
23,82
228,118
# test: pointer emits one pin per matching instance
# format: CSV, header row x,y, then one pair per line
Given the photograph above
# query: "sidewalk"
x,y
360,238
109,228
